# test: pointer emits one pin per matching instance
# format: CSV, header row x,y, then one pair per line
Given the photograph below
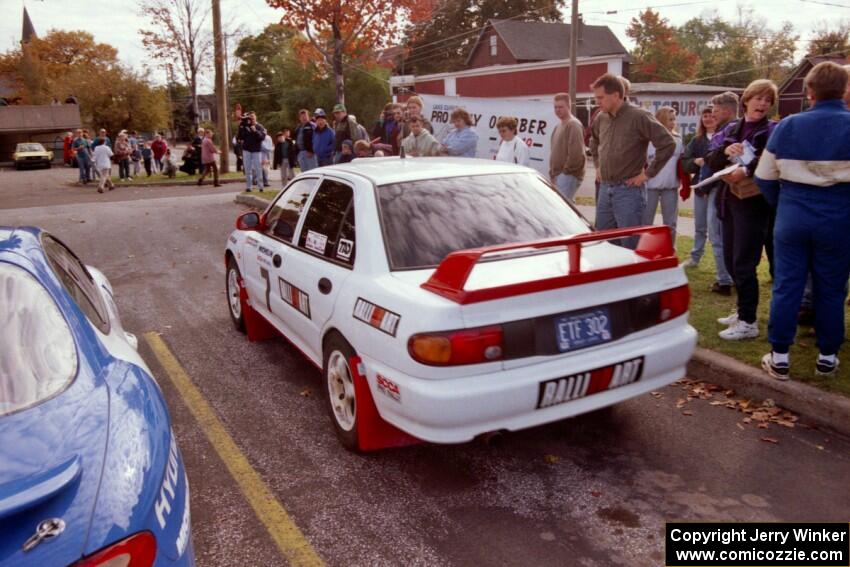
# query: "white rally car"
x,y
443,298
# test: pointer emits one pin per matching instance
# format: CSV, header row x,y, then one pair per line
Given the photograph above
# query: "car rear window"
x,y
39,355
425,220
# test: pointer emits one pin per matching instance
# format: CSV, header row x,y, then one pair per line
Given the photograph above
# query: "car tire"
x,y
339,389
234,295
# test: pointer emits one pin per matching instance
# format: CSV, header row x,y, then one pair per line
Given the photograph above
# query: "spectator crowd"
x,y
761,187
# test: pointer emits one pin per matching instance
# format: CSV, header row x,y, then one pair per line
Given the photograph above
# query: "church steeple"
x,y
28,31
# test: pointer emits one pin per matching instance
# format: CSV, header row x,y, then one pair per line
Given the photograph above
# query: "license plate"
x,y
582,330
562,390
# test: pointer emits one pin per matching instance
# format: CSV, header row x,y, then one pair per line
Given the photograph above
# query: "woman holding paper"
x,y
745,213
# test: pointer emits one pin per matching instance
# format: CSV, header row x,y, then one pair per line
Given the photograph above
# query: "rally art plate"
x,y
562,390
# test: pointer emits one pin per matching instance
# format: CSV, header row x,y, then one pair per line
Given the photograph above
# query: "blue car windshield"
x,y
39,355
423,221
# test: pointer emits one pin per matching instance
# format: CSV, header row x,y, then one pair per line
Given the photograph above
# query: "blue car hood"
x,y
51,461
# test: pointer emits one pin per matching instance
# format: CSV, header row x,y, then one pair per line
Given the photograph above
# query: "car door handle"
x,y
276,260
325,286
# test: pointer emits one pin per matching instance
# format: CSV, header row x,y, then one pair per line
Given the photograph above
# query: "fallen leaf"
x,y
770,440
717,403
820,447
656,394
306,392
687,412
551,459
131,255
785,423
762,425
747,420
768,403
681,402
729,393
741,427
595,493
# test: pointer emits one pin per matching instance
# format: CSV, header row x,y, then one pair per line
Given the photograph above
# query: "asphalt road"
x,y
590,491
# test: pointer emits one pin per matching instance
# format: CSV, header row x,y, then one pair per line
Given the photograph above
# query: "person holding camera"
x,y
251,136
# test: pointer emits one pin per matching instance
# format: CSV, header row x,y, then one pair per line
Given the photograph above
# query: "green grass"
x,y
267,194
706,307
591,202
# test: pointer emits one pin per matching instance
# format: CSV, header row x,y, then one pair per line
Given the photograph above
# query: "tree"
x,y
177,27
442,42
275,82
340,29
71,62
734,54
658,54
829,40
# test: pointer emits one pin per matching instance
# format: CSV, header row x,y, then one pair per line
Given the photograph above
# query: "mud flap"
x,y
373,433
256,326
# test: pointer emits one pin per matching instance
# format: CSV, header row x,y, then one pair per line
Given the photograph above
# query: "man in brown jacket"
x,y
618,144
566,161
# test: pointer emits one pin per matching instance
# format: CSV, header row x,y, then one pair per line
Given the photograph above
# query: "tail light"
x,y
673,302
138,550
467,346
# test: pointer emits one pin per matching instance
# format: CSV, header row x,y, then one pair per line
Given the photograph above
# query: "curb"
x,y
251,201
817,406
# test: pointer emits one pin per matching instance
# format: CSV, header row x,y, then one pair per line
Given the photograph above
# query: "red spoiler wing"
x,y
449,279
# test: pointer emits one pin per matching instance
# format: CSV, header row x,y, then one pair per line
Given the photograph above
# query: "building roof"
x,y
542,41
810,61
680,88
42,118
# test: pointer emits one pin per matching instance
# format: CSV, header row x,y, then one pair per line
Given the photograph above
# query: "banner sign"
x,y
536,120
688,108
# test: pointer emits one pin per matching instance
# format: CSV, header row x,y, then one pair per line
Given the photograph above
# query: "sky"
x,y
116,22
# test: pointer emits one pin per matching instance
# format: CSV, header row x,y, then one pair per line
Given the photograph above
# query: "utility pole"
x,y
169,70
221,88
573,54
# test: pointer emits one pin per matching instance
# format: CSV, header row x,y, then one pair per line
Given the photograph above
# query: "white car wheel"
x,y
341,391
341,395
234,295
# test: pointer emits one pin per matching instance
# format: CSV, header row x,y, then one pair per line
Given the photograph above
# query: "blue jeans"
x,y
253,169
84,164
809,242
706,223
669,199
305,162
567,186
620,206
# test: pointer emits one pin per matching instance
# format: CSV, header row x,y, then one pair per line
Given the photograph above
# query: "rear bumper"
x,y
458,409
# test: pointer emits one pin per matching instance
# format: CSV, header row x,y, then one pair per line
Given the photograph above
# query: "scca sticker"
x,y
294,297
375,316
389,388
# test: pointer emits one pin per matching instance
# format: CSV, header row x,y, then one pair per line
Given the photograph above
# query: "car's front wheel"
x,y
341,396
234,295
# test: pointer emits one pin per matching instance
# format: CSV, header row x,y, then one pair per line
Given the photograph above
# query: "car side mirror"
x,y
249,221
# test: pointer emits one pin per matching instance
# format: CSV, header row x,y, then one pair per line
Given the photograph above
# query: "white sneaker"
x,y
730,319
689,263
740,330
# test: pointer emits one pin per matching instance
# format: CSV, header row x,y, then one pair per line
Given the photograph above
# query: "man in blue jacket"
x,y
252,135
805,173
323,139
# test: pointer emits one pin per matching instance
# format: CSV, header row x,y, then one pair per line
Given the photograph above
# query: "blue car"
x,y
90,472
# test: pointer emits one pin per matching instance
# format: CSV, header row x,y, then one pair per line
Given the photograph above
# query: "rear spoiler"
x,y
449,279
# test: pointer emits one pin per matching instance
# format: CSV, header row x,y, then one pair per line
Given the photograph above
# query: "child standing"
x,y
147,157
136,157
103,164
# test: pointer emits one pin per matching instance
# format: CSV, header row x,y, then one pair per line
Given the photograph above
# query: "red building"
x,y
792,93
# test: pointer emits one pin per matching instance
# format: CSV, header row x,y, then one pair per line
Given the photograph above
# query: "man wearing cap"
x,y
345,128
323,139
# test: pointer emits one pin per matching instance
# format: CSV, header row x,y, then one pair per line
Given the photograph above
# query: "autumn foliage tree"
x,y
66,63
178,32
340,30
658,54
